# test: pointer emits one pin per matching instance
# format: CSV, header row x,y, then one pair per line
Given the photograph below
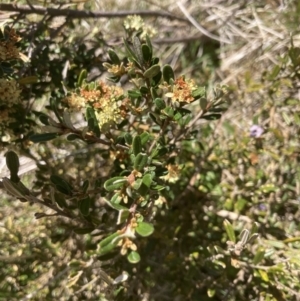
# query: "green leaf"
x,y
168,73
254,228
158,187
177,117
42,137
168,111
152,71
134,93
264,275
83,230
199,92
212,116
144,90
211,292
122,216
137,145
13,164
145,185
155,118
60,200
145,136
259,256
147,180
140,161
82,77
92,121
128,138
114,79
252,238
85,185
147,53
108,255
72,137
63,190
160,103
229,230
131,54
144,229
117,198
106,249
185,120
292,239
108,239
133,257
138,50
137,184
115,206
44,119
273,74
155,81
114,57
218,110
84,206
149,44
159,152
114,183
294,54
28,80
61,183
155,61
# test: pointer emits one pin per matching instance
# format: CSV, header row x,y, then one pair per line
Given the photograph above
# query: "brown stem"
x,y
80,14
161,133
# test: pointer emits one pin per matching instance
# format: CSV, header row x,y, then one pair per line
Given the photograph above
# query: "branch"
x,y
80,14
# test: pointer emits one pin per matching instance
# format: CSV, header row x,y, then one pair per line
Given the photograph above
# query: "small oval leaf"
x,y
144,229
114,183
114,57
134,257
42,137
147,53
137,145
168,73
140,161
152,71
159,103
84,206
28,80
12,163
108,240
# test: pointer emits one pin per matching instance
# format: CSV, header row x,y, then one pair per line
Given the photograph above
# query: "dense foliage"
x,y
152,182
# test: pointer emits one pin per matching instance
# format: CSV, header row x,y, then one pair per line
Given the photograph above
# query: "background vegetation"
x,y
240,172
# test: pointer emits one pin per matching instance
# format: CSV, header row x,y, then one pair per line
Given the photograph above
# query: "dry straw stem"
x,y
259,32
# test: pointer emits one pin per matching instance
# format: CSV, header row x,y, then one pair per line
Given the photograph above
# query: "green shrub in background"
x,y
143,202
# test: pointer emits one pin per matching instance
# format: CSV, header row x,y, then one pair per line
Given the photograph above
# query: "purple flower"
x,y
256,131
262,207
